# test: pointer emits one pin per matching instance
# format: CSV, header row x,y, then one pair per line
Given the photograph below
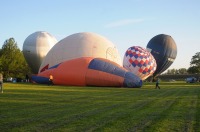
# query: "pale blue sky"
x,y
124,22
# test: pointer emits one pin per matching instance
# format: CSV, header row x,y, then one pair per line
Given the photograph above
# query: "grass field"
x,y
32,107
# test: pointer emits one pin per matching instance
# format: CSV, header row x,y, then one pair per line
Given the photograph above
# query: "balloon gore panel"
x,y
40,79
131,80
106,66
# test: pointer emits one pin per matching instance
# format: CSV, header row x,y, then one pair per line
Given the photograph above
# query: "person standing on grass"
x,y
51,79
27,78
1,82
157,84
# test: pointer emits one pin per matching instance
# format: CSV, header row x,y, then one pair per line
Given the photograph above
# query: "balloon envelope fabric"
x,y
164,50
139,61
89,71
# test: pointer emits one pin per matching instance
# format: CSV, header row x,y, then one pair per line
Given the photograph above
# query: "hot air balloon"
x,y
35,48
164,50
89,71
139,61
78,45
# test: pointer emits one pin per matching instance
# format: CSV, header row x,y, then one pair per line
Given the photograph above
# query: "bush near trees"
x,y
12,61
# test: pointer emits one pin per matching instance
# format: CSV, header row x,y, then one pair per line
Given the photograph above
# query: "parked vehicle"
x,y
9,79
190,80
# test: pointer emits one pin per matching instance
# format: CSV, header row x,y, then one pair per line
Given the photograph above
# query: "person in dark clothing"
x,y
157,84
27,78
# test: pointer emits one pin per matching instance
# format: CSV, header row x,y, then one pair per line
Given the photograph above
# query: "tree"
x,y
176,71
195,64
12,61
182,71
171,71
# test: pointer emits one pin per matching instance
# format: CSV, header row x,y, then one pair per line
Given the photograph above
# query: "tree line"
x,y
193,69
13,63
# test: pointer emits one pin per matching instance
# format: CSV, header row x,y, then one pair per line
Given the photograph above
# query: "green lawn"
x,y
32,107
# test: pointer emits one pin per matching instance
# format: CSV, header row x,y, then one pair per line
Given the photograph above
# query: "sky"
x,y
126,23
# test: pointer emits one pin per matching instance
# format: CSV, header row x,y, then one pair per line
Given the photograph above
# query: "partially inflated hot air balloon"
x,y
164,50
35,48
78,45
89,71
139,61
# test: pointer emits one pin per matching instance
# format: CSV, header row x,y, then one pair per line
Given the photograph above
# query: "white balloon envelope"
x,y
35,48
79,45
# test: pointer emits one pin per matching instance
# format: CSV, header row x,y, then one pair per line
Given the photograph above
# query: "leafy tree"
x,y
12,61
182,71
176,71
171,71
195,64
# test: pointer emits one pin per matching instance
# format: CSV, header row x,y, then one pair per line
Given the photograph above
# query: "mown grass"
x,y
32,107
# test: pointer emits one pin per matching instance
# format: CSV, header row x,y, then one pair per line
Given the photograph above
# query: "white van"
x,y
190,80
